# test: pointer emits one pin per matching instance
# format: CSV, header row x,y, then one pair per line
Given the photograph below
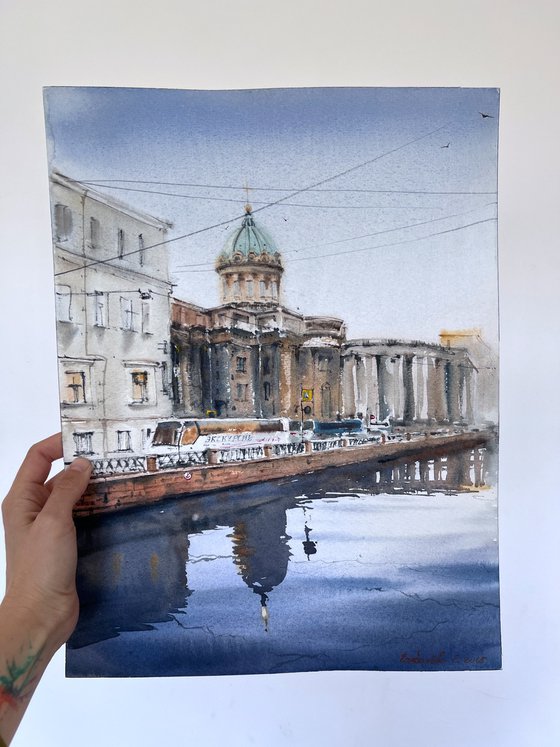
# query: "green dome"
x,y
249,242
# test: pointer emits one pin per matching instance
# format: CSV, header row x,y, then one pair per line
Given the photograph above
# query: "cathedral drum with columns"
x,y
250,266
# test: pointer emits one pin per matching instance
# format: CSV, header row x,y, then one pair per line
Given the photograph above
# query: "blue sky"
x,y
400,237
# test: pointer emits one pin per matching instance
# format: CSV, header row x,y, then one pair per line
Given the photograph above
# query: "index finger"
x,y
37,464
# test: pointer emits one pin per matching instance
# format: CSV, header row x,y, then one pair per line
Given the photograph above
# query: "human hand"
x,y
41,552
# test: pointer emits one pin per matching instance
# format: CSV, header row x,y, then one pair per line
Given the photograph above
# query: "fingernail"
x,y
80,465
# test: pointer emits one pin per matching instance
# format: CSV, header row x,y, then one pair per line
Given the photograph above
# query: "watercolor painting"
x,y
277,323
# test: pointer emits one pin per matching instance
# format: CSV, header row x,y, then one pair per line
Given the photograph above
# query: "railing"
x,y
359,440
327,444
394,437
118,465
154,463
240,455
172,461
281,450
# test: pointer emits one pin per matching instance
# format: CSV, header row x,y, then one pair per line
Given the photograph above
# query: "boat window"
x,y
166,433
189,433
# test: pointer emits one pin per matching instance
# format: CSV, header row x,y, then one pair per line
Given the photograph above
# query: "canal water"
x,y
373,566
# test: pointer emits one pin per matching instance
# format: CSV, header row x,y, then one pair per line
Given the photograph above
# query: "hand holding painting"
x,y
40,608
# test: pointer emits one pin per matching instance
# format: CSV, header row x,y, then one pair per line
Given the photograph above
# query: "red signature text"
x,y
440,659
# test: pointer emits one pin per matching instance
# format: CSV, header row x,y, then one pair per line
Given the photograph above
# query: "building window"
x,y
120,243
124,441
236,287
141,252
75,387
323,363
274,289
93,232
146,438
262,288
62,222
241,366
63,303
164,378
100,301
83,443
127,314
250,288
241,392
266,365
266,388
139,386
146,317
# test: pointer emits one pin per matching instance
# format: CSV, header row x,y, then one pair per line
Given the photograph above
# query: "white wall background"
x,y
223,44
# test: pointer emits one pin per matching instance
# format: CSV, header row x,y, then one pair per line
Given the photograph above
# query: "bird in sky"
x,y
445,146
486,116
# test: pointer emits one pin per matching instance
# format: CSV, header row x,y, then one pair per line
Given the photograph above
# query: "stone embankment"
x,y
116,492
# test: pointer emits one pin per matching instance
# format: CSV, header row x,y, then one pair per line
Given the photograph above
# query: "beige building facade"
x,y
113,315
485,360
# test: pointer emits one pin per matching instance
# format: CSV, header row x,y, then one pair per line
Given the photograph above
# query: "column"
x,y
469,392
372,403
285,380
398,389
437,409
383,382
361,385
453,389
420,377
409,409
347,404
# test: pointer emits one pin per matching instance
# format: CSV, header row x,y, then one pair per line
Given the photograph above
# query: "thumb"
x,y
68,487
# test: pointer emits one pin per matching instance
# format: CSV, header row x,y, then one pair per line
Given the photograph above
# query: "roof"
x,y
249,242
86,191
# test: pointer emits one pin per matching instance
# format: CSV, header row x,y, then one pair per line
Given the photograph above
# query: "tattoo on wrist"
x,y
18,680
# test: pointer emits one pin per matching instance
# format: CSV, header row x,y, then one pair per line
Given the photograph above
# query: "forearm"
x,y
40,609
25,650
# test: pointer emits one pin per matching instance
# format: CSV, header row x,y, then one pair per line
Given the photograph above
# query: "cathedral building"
x,y
251,356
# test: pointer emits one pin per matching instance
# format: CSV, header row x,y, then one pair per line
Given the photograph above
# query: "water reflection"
x,y
309,546
133,568
452,473
261,550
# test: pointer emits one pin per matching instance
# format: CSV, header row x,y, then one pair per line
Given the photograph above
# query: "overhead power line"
x,y
371,248
328,179
364,236
106,182
257,202
397,243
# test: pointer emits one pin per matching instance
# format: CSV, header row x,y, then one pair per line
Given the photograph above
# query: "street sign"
x,y
307,395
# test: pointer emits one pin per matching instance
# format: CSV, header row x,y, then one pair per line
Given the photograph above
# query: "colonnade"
x,y
429,385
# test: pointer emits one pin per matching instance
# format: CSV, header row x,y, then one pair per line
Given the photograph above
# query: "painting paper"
x,y
277,331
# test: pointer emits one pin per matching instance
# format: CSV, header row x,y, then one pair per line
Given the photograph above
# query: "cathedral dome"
x,y
250,266
249,243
